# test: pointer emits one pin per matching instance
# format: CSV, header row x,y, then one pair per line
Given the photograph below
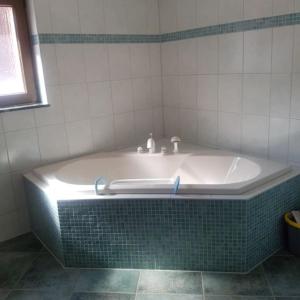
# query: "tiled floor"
x,y
28,272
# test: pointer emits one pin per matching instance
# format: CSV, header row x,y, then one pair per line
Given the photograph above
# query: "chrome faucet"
x,y
175,140
151,144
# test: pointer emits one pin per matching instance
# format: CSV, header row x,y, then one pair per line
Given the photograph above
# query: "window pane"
x,y
11,71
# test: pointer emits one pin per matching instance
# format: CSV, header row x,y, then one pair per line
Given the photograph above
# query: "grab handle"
x,y
106,186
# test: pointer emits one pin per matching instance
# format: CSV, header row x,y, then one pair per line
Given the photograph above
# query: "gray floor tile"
x,y
170,282
37,295
97,296
3,294
253,284
106,281
167,297
13,265
283,273
24,243
47,275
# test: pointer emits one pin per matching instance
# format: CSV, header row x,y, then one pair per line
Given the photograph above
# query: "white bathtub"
x,y
209,172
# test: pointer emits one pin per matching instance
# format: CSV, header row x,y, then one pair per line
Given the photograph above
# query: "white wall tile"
x,y
96,62
296,59
137,16
257,9
125,129
297,5
188,54
281,7
50,70
143,124
119,59
257,49
122,96
207,12
158,123
282,52
53,142
42,15
103,132
294,145
16,120
229,131
7,203
295,104
156,92
100,99
171,96
186,14
168,15
116,16
4,166
188,119
65,17
141,93
256,94
230,10
23,149
280,96
10,226
75,102
91,15
54,113
230,93
140,60
208,55
255,135
79,137
188,90
171,117
231,53
279,139
152,17
207,128
70,63
155,61
208,92
170,58
19,190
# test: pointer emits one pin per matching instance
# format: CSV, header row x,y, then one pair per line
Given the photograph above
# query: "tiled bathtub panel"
x,y
44,218
265,230
155,234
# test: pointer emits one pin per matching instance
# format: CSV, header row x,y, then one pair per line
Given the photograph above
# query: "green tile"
x,y
167,297
37,295
98,296
46,274
106,281
170,282
283,273
24,243
13,265
252,284
238,298
287,298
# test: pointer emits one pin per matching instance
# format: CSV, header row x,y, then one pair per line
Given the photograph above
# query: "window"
x,y
17,72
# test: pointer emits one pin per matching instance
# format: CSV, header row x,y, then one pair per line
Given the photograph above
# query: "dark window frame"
x,y
28,62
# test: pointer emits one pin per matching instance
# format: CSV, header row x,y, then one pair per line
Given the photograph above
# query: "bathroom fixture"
x,y
140,149
175,140
151,144
163,150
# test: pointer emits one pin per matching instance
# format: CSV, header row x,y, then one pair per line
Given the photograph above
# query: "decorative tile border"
x,y
239,26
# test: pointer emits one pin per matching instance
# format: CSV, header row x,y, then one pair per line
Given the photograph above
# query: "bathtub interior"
x,y
200,172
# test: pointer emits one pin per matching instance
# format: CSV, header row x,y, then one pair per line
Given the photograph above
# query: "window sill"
x,y
23,107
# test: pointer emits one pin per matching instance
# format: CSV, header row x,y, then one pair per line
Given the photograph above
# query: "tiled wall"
x,y
237,91
102,96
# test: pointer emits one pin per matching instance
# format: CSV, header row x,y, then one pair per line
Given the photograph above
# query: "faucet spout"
x,y
151,144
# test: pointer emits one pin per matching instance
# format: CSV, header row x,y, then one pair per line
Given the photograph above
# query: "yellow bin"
x,y
293,234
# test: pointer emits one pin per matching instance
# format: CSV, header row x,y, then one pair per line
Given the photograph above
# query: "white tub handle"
x,y
106,189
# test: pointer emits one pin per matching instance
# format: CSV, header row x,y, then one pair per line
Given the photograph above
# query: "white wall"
x,y
237,91
102,96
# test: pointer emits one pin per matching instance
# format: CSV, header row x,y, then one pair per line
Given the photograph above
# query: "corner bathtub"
x,y
225,216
